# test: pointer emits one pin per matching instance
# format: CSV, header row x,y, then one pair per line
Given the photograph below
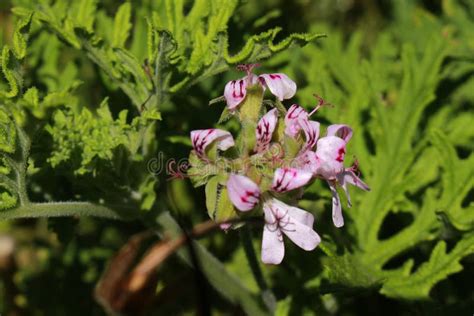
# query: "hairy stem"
x,y
64,209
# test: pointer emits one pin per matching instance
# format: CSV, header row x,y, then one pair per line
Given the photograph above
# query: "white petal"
x,y
235,92
337,217
297,214
280,85
204,137
351,178
292,222
330,151
273,248
286,179
294,114
265,128
243,192
340,130
303,236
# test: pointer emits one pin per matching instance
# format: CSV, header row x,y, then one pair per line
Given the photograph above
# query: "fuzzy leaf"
x,y
87,138
261,46
20,36
7,133
199,171
85,13
9,74
458,180
122,25
440,265
219,206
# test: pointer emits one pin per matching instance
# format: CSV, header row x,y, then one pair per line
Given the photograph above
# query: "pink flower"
x,y
330,155
279,85
295,223
202,138
280,218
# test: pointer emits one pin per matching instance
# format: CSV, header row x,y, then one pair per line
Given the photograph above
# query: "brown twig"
x,y
123,288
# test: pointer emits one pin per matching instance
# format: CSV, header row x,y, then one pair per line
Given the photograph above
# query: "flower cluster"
x,y
273,161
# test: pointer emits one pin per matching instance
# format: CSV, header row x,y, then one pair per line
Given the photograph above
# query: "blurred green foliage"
x,y
100,87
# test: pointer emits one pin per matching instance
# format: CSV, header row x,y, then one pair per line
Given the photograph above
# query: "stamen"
x,y
355,166
247,68
321,103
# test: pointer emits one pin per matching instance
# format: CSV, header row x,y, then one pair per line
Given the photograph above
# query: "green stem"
x,y
63,209
267,294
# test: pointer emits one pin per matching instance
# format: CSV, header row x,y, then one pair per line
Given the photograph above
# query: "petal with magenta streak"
x,y
204,137
243,192
235,92
280,85
287,179
264,131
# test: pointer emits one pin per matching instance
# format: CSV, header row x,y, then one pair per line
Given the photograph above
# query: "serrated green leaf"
x,y
86,139
7,133
9,74
261,46
203,40
440,265
122,25
152,114
7,199
348,271
147,189
31,96
458,180
84,14
20,36
133,66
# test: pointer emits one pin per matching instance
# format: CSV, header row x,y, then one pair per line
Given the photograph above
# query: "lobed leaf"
x,y
440,265
122,25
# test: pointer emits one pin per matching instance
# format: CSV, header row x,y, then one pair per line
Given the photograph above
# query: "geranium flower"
x,y
280,218
329,159
263,175
291,221
279,85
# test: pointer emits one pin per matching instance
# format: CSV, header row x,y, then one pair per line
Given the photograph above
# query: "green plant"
x,y
93,92
408,125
